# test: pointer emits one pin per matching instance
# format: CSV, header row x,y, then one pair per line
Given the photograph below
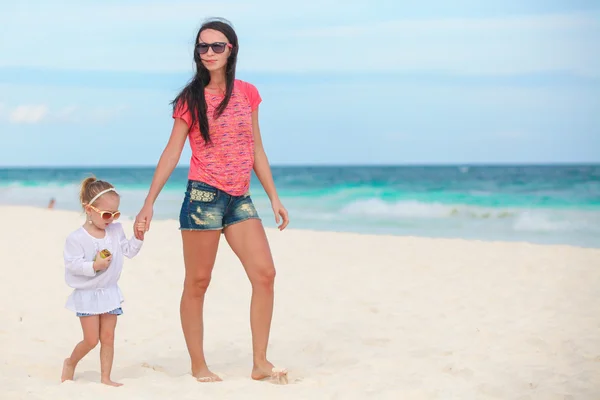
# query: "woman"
x,y
220,115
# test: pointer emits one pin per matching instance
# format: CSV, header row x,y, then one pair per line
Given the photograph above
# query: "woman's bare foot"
x,y
205,375
68,371
266,370
109,382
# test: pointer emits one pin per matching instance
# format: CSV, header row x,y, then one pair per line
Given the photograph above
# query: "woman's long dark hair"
x,y
193,94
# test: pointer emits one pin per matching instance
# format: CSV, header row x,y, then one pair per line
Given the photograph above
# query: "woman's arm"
x,y
166,164
168,160
261,162
264,175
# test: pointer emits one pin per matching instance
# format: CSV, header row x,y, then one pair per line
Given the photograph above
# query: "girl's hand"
x,y
140,227
142,222
280,214
100,264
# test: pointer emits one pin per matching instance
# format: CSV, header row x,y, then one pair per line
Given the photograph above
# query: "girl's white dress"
x,y
96,292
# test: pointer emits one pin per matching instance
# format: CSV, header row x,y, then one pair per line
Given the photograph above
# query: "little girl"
x,y
93,257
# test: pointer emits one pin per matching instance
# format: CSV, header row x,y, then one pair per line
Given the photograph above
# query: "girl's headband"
x,y
100,194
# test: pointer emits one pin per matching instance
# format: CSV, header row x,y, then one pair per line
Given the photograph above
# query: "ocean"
x,y
550,204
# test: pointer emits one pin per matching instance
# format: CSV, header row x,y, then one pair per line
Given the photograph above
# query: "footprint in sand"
x,y
290,381
156,368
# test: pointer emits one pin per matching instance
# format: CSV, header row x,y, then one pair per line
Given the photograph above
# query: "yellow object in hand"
x,y
105,253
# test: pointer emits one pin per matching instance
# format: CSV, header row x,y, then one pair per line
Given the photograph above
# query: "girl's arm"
x,y
74,257
129,247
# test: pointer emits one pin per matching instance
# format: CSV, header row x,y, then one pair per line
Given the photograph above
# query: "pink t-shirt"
x,y
227,162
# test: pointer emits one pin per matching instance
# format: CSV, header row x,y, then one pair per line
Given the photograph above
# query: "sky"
x,y
342,81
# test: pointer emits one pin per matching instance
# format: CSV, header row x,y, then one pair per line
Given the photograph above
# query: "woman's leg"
x,y
91,332
249,242
108,322
199,253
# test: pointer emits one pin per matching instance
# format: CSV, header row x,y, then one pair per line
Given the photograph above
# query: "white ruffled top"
x,y
96,292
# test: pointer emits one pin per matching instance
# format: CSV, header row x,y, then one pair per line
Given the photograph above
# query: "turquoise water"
x,y
543,204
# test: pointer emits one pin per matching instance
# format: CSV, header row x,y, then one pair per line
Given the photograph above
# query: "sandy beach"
x,y
356,317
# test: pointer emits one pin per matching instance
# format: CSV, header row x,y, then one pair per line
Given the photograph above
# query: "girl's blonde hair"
x,y
90,187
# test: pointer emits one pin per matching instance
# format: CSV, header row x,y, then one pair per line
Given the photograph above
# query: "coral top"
x,y
227,162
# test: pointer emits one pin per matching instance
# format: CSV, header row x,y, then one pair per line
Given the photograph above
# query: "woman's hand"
x,y
142,222
281,214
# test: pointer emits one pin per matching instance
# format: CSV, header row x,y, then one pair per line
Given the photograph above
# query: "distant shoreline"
x,y
291,166
541,203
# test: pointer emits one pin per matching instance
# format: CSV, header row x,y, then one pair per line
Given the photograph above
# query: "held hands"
x,y
140,227
142,222
100,264
281,214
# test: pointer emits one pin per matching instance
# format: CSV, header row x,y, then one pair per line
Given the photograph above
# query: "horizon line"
x,y
298,165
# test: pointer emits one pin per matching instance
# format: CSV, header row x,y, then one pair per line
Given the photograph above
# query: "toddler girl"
x,y
93,257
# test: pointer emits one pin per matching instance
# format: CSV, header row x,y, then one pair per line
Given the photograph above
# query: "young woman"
x,y
219,114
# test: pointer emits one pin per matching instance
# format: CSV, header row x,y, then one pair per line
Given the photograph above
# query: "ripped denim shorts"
x,y
205,207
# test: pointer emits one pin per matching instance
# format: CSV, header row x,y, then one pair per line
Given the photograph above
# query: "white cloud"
x,y
41,113
28,114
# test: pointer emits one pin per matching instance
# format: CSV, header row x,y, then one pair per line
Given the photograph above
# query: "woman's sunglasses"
x,y
217,47
106,215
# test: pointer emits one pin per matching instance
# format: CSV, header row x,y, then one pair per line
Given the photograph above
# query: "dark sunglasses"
x,y
217,47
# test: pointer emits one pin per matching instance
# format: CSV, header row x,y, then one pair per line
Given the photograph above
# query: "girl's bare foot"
x,y
205,375
68,371
266,370
111,383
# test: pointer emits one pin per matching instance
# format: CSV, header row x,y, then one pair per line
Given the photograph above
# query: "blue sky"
x,y
342,81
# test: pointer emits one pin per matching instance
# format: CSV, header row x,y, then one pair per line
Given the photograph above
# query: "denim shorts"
x,y
205,207
116,311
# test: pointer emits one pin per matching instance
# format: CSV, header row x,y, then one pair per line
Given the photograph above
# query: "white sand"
x,y
356,317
